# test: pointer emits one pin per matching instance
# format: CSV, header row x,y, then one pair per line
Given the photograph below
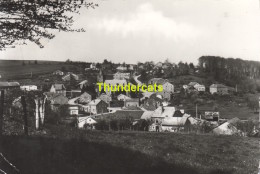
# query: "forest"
x,y
232,72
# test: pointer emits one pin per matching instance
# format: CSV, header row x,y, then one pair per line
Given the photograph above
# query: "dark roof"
x,y
177,113
121,114
59,100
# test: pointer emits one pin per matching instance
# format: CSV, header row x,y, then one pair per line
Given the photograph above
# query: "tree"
x,y
32,20
253,104
1,110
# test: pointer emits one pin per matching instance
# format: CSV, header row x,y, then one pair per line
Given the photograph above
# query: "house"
x,y
162,112
70,76
211,116
194,86
9,85
176,124
121,68
93,66
152,104
228,128
121,76
170,120
132,102
200,88
96,106
29,88
122,97
73,110
58,100
58,72
157,117
106,98
73,93
86,122
131,67
218,88
58,89
168,87
84,98
113,83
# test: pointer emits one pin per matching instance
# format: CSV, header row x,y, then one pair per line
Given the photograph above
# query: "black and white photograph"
x,y
129,86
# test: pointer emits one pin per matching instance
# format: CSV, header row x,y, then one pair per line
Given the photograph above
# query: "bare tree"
x,y
32,20
1,111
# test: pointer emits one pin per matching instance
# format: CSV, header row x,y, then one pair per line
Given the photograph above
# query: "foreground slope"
x,y
74,151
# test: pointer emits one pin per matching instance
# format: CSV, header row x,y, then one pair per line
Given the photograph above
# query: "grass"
x,y
75,151
13,69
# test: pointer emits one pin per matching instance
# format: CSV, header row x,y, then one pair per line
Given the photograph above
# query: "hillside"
x,y
78,151
17,69
232,71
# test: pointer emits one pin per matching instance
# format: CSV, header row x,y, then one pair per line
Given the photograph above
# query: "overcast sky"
x,y
153,30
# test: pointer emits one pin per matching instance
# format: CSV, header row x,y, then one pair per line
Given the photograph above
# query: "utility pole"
x,y
24,115
2,111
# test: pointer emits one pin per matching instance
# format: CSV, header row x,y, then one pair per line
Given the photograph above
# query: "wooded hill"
x,y
232,71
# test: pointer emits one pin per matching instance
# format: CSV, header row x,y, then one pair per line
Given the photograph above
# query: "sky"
x,y
152,30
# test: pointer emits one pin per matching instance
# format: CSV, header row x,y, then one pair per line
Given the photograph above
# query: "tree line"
x,y
232,71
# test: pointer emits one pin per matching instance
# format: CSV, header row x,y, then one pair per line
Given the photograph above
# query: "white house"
x,y
121,68
122,97
29,88
218,88
70,76
200,88
58,72
58,88
121,76
73,110
89,121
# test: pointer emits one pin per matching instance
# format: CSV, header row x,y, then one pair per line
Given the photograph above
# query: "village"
x,y
79,102
129,87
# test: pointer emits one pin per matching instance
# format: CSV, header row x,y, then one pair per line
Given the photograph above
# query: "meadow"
x,y
68,150
14,69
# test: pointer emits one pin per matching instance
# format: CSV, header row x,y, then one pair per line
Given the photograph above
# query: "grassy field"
x,y
13,69
73,151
